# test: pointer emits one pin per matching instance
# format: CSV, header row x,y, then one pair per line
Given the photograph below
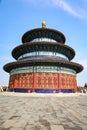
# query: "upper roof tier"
x,y
43,32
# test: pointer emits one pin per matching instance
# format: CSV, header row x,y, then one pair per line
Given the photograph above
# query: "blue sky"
x,y
67,16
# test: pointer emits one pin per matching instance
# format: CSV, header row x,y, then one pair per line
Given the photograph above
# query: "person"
x,y
81,90
1,89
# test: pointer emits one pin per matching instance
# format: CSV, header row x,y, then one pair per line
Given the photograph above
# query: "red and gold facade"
x,y
43,63
41,81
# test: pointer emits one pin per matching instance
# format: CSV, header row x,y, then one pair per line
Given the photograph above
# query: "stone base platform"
x,y
25,111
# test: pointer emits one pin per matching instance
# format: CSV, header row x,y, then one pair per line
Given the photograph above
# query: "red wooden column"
x,y
75,84
59,82
34,80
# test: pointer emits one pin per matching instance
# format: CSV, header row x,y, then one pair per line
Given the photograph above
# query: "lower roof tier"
x,y
60,63
43,46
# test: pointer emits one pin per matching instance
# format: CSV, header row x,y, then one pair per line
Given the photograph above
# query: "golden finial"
x,y
43,24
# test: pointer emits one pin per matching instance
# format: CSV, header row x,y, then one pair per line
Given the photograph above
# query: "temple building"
x,y
43,63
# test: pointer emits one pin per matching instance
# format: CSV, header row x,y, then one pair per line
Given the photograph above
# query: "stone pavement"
x,y
46,112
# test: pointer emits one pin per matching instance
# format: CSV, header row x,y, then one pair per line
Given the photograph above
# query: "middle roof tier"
x,y
45,47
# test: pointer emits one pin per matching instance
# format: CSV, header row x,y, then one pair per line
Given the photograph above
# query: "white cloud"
x,y
65,6
76,10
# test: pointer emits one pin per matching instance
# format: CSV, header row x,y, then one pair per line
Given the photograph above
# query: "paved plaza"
x,y
43,111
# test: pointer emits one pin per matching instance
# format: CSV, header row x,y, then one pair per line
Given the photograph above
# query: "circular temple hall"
x,y
43,63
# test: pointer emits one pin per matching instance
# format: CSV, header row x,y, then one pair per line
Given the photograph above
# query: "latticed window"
x,y
49,80
39,80
63,81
